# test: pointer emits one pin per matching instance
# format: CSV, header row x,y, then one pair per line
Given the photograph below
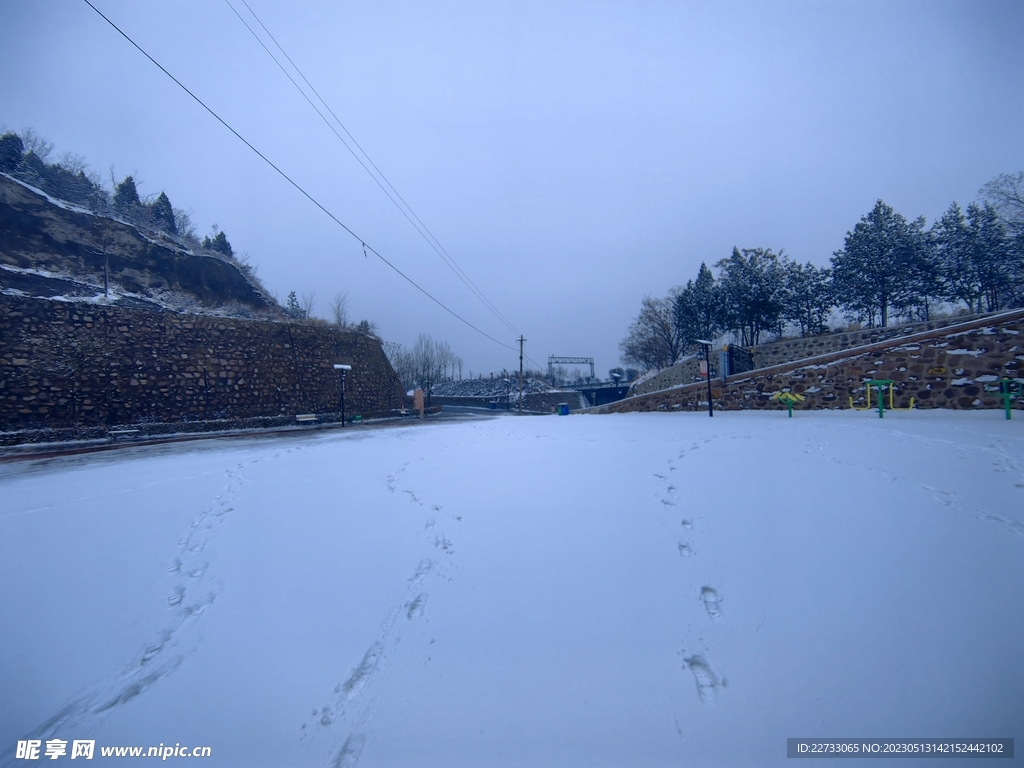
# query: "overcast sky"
x,y
570,156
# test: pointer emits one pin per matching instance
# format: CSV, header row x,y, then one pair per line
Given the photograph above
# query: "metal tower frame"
x,y
554,359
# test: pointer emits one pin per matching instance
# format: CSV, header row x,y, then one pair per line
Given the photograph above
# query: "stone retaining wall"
x,y
65,364
945,368
542,402
788,350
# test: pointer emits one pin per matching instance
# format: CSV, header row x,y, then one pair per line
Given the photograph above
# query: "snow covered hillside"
x,y
625,590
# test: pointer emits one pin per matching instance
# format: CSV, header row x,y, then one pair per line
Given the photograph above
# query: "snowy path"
x,y
643,589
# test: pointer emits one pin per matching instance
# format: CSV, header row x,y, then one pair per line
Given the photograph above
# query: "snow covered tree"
x,y
653,340
751,282
951,238
163,214
126,196
882,267
807,297
992,253
697,309
11,151
219,242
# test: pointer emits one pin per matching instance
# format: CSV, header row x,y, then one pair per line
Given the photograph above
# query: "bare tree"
x,y
653,341
71,163
424,359
308,302
339,309
183,224
36,144
1005,193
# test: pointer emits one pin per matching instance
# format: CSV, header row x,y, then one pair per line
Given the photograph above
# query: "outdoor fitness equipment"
x,y
789,398
1009,390
878,384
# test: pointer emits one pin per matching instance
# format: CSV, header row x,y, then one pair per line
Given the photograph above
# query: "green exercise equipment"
x,y
789,398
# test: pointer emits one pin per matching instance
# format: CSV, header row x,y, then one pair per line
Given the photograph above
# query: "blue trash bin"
x,y
563,409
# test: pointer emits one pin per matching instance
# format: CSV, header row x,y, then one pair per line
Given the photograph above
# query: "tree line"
x,y
888,270
426,363
25,157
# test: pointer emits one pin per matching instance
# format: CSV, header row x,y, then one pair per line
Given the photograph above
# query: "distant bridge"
x,y
554,360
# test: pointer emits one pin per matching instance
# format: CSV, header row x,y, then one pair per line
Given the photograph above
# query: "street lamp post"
x,y
707,364
342,369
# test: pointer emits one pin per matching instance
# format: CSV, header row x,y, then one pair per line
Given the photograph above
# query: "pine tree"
x,y
990,251
126,196
751,282
11,150
882,268
807,297
292,307
163,214
697,309
218,243
951,238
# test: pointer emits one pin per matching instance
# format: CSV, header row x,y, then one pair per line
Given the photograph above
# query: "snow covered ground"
x,y
626,590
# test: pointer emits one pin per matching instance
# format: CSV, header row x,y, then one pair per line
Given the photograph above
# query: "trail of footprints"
x,y
412,603
707,681
186,600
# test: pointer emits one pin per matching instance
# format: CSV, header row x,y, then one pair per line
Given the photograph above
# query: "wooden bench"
x,y
306,418
122,434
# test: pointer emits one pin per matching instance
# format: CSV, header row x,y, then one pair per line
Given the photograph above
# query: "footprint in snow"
x,y
685,550
707,682
421,571
415,609
712,602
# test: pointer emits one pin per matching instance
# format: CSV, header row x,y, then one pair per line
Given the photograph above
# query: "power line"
x,y
418,224
291,181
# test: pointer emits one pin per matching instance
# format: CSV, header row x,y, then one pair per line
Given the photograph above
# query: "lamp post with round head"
x,y
342,369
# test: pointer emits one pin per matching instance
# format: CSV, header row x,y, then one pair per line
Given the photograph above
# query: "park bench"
x,y
306,418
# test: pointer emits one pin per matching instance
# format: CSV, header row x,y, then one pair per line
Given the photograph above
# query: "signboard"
x,y
704,368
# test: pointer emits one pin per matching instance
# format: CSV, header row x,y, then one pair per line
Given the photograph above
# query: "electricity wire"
x,y
418,224
291,181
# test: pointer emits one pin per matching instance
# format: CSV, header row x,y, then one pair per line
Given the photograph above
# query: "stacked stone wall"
x,y
788,350
537,402
65,364
944,368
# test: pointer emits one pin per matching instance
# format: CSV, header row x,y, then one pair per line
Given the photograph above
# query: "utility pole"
x,y
521,340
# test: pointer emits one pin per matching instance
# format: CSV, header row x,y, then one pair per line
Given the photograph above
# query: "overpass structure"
x,y
554,360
